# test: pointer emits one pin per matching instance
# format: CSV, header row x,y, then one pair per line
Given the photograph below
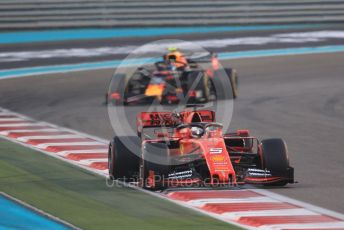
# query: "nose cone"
x,y
218,161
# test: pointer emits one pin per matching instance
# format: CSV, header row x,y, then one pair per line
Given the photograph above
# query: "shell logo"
x,y
218,158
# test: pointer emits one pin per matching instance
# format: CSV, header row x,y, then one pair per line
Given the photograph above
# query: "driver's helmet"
x,y
175,57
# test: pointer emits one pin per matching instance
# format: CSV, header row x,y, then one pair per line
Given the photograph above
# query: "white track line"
x,y
283,212
7,132
88,151
46,145
91,160
324,225
201,202
29,123
95,160
299,203
11,119
27,138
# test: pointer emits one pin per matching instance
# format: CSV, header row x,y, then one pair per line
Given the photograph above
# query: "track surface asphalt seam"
x,y
248,208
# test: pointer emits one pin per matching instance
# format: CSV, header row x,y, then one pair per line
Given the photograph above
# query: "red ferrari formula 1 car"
x,y
189,148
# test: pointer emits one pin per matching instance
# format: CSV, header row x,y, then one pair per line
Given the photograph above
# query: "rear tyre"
x,y
122,163
275,158
233,77
153,174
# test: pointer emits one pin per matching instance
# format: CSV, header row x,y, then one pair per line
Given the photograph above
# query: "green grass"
x,y
84,200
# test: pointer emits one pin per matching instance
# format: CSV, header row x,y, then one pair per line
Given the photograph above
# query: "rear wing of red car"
x,y
155,119
171,119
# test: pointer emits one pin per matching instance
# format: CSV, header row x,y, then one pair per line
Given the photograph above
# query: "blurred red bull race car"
x,y
189,149
175,79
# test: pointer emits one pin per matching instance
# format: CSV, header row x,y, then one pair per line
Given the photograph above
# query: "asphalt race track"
x,y
299,98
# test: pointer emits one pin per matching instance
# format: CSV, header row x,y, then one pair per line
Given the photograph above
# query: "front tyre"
x,y
122,163
275,158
